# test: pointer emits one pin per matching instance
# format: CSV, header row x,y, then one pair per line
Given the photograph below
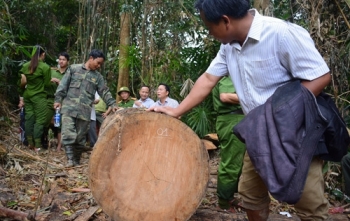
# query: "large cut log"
x,y
148,166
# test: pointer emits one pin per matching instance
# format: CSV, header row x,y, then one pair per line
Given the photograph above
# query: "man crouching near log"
x,y
76,94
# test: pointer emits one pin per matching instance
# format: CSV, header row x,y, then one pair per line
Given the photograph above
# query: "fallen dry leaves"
x,y
38,185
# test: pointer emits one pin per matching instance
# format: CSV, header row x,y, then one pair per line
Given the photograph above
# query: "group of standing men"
x,y
145,101
73,90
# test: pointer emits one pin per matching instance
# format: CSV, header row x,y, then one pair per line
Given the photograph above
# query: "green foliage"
x,y
24,24
168,41
200,119
48,23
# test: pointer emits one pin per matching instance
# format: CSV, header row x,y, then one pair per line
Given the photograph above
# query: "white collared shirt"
x,y
169,102
146,103
274,53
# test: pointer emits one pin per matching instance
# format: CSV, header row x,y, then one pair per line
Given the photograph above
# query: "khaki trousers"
x,y
312,205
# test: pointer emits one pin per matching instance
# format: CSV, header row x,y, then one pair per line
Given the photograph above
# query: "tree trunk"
x,y
144,24
148,166
123,79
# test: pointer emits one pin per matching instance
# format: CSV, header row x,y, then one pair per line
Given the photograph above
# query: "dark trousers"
x,y
92,133
345,163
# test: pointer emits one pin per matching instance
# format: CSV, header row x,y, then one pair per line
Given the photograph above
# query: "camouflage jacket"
x,y
76,91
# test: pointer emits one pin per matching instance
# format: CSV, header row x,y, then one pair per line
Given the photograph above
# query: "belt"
x,y
238,111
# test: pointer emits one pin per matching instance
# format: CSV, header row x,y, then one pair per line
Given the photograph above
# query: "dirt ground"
x,y
39,184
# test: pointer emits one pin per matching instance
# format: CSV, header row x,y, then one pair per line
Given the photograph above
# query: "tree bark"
x,y
123,78
144,40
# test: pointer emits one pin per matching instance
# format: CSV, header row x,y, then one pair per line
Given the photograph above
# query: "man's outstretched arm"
x,y
199,92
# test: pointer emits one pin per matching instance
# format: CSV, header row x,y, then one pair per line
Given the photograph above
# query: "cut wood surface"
x,y
208,144
148,166
213,138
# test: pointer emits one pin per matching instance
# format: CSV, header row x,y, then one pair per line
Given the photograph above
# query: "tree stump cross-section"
x,y
148,166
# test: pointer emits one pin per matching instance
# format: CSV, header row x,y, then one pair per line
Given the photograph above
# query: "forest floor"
x,y
38,184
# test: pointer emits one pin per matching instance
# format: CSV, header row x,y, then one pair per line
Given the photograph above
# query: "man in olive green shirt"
x,y
229,113
76,94
56,77
127,100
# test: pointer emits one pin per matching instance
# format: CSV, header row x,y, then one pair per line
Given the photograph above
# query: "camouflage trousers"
x,y
74,131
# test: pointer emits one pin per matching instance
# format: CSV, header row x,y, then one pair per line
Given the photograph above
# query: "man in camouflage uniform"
x,y
76,94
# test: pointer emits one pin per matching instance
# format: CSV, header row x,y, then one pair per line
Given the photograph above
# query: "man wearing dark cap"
x,y
126,101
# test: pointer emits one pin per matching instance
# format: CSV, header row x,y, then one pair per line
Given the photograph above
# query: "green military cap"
x,y
123,89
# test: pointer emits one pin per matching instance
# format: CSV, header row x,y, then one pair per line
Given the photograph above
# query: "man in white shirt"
x,y
144,101
164,100
260,54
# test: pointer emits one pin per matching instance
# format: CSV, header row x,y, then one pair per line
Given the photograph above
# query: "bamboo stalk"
x,y
341,11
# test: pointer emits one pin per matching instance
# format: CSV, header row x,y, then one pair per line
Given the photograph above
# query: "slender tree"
x,y
123,79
